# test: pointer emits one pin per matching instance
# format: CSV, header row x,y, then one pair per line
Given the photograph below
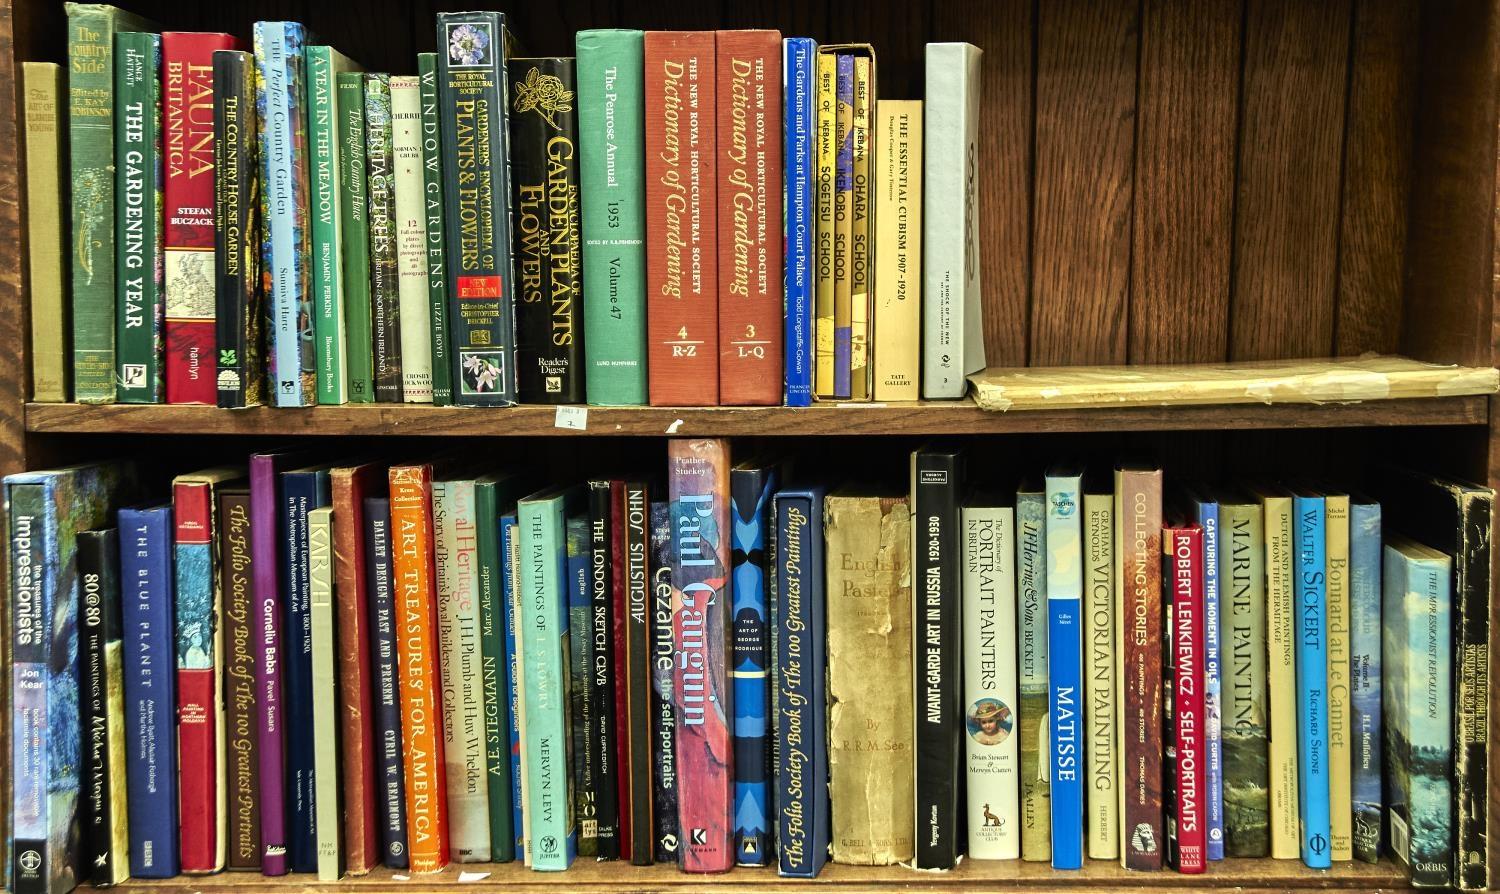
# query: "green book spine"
x,y
385,310
495,675
140,301
324,64
355,223
611,126
437,271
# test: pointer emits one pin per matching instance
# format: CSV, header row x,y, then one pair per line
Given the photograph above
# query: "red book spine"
x,y
349,488
621,608
1138,548
682,303
187,85
197,708
1189,838
750,225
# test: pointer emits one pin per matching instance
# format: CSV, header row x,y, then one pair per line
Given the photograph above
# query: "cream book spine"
x,y
1340,800
1102,796
897,328
411,240
989,625
1281,673
329,811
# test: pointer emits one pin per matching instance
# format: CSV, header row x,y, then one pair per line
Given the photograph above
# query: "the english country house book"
x,y
1064,564
991,737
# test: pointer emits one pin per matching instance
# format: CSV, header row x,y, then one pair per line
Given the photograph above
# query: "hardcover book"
x,y
1187,832
859,233
1032,718
492,495
869,615
664,781
896,317
583,718
515,652
354,226
238,297
1206,514
826,149
633,611
612,153
751,486
1242,582
1336,584
799,80
302,490
748,70
329,804
602,669
380,186
1101,823
46,97
843,224
1064,563
100,650
188,213
1138,606
241,660
1281,649
993,813
682,286
472,91
1311,634
386,628
139,299
1365,679
325,118
409,191
436,243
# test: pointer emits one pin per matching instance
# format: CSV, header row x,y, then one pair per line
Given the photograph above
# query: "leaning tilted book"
x,y
1365,678
325,118
330,802
1064,507
1242,585
799,86
139,301
1182,578
100,651
751,485
409,191
1311,595
238,308
1032,721
1138,607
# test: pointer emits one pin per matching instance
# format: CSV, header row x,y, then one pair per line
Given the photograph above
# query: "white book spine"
x,y
454,546
989,627
952,326
1102,797
329,804
411,240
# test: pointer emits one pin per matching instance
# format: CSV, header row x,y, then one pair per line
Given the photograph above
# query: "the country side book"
x,y
1032,720
664,775
751,244
139,300
472,92
603,667
329,804
612,165
385,630
1281,651
239,313
436,242
91,147
952,325
287,247
45,100
867,542
860,227
545,212
100,653
1101,820
634,611
582,710
799,155
414,300
494,494
896,313
1340,758
824,154
1182,579
354,228
380,192
991,738
1366,723
187,121
1242,587
325,119
843,223
682,290
1138,610
241,660
751,487
1205,511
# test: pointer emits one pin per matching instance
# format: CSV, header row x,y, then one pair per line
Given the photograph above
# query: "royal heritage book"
x,y
751,486
409,190
472,91
1064,564
101,660
380,207
896,316
1242,586
1138,606
1101,823
139,307
354,226
325,117
799,82
238,296
1032,719
45,93
242,782
1366,724
435,231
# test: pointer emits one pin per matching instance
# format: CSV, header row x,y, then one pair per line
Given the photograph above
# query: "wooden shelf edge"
x,y
922,418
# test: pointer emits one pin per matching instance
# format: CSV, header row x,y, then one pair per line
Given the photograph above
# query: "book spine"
x,y
583,717
510,553
843,223
827,123
799,77
410,204
493,676
237,297
436,236
354,222
749,217
681,206
620,674
324,157
348,488
37,858
1311,631
1471,690
602,668
665,837
1213,740
329,805
1139,610
802,824
1340,768
199,702
952,334
241,749
1064,564
380,187
1281,648
896,339
1032,718
1365,684
301,492
935,485
634,611
385,627
1243,626
266,632
45,93
1187,832
139,300
990,683
544,172
472,91
750,491
286,251
150,697
612,154
412,583
99,647
1102,821
859,232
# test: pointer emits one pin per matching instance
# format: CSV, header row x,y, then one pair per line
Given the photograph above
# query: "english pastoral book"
x,y
45,90
1032,719
238,298
139,307
241,661
414,302
1206,514
1242,583
1187,826
1101,824
664,779
100,651
436,243
325,118
896,315
1366,678
385,301
354,226
1065,662
799,82
751,486
329,803
1139,607
991,739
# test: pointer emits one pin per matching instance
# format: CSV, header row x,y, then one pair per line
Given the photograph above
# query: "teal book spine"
x,y
550,831
437,269
612,147
1312,682
140,300
355,226
323,67
495,671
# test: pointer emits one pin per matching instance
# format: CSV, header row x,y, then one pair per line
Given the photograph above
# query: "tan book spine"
x,y
1102,817
843,222
1281,670
896,338
42,87
1340,797
860,229
827,69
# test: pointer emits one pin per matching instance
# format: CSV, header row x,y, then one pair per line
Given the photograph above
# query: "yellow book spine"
x,y
42,87
843,220
1340,798
1281,642
897,325
827,68
859,235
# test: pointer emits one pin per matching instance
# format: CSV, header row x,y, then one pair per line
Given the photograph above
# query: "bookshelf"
x,y
1161,182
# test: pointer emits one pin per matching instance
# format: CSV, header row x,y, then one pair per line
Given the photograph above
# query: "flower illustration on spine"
x,y
480,373
468,44
545,94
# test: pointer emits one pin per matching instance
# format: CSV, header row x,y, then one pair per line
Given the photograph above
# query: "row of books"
x,y
608,228
419,664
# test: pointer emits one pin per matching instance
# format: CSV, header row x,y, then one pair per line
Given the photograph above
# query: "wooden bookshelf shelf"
x,y
924,418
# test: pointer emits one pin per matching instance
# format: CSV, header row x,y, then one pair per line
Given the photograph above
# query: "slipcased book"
x,y
329,803
751,486
409,193
1365,679
1242,585
380,207
992,740
664,780
860,228
238,311
1187,826
1101,824
139,298
241,662
100,650
1065,662
390,773
799,85
1032,720
825,155
1138,606
325,117
896,317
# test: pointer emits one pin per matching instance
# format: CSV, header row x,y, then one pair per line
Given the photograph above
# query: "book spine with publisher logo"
x,y
324,119
436,236
354,225
1138,607
825,154
329,804
266,634
896,339
633,610
139,300
409,190
1365,680
100,648
602,668
799,80
1031,708
1311,634
1187,820
993,779
1101,685
1340,769
302,490
750,488
1065,663
665,839
491,494
390,772
238,310
242,783
1206,513
385,302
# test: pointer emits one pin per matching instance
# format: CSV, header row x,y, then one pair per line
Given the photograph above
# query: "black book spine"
x,y
549,271
602,672
98,559
388,752
380,208
935,483
1472,692
237,292
663,715
637,669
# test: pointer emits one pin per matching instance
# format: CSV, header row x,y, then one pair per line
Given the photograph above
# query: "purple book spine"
x,y
267,630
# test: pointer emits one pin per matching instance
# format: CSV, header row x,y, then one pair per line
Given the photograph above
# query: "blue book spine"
x,y
150,690
510,575
1312,683
1364,678
302,491
799,86
750,492
1065,665
389,755
583,719
1208,519
802,825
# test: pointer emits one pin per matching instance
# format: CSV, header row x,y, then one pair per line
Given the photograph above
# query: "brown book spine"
x,y
750,231
682,246
240,716
1138,550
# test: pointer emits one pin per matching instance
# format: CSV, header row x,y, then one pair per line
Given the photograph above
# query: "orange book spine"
x,y
421,685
